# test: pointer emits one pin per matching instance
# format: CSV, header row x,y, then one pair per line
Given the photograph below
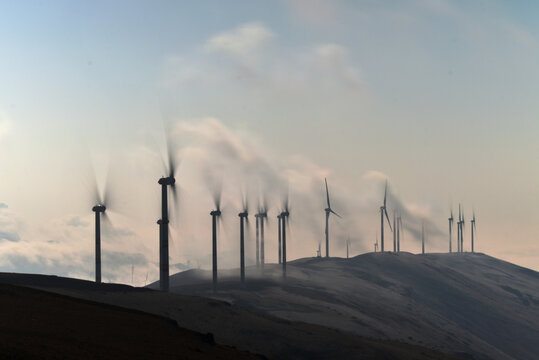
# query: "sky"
x,y
266,98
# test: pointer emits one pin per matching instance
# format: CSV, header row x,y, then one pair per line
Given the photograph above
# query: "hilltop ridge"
x,y
455,303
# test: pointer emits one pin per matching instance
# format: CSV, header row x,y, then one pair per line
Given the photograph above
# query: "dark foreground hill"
x,y
231,325
40,325
455,303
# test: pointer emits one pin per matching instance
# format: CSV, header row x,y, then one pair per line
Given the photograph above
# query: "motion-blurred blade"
x,y
327,193
385,195
387,217
333,212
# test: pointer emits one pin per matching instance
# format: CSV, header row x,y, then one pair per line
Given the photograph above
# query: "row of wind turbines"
x,y
397,222
261,217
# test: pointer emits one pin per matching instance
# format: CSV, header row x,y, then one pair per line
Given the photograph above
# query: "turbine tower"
x,y
257,241
399,223
98,209
169,181
284,219
263,216
215,216
260,217
101,203
279,229
473,230
462,226
328,211
348,248
395,232
376,243
383,211
450,219
423,239
459,229
243,216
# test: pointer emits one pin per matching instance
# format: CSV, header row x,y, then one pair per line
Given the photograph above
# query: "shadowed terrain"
x,y
456,303
231,325
39,325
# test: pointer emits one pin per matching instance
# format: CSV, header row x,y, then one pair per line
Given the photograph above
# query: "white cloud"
x,y
242,40
335,60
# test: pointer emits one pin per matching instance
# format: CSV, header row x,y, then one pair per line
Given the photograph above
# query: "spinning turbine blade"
x,y
333,212
327,193
385,195
387,217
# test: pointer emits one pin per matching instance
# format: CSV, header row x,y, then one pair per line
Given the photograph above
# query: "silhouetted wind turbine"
x,y
348,248
399,225
473,230
279,230
319,251
383,210
328,210
462,225
284,219
395,232
164,222
100,210
244,215
215,216
450,231
423,239
376,243
459,229
261,216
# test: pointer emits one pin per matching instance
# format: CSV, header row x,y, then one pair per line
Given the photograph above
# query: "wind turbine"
x,y
243,216
462,225
100,211
399,225
383,210
319,251
348,248
169,181
284,219
423,239
261,216
473,230
328,210
395,232
459,229
376,243
450,231
215,215
279,229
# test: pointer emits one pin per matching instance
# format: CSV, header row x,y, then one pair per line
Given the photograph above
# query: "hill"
x,y
39,325
456,303
230,325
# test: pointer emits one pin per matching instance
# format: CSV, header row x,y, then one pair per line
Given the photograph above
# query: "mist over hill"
x,y
455,303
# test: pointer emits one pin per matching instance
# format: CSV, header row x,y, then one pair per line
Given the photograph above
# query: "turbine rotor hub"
x,y
167,181
99,208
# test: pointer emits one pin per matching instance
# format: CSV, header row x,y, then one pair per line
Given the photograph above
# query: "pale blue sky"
x,y
438,95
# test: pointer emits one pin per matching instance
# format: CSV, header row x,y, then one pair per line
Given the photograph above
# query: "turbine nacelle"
x,y
216,213
167,181
243,214
99,208
162,221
